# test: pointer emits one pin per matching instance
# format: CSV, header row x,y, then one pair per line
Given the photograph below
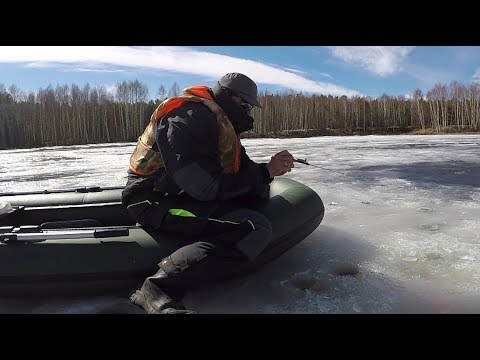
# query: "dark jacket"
x,y
188,140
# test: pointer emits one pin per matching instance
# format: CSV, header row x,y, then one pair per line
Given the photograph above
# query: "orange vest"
x,y
146,161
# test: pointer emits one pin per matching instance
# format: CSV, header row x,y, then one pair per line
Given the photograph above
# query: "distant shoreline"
x,y
336,132
295,134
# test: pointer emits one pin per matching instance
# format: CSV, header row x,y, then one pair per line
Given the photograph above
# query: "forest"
x,y
70,115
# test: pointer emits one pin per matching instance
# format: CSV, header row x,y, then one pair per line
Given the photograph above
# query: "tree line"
x,y
70,115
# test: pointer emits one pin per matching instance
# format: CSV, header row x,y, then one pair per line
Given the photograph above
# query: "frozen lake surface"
x,y
401,232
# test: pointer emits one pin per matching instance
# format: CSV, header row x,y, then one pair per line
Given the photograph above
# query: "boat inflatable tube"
x,y
83,240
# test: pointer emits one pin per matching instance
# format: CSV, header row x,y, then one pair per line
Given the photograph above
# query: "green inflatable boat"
x,y
83,240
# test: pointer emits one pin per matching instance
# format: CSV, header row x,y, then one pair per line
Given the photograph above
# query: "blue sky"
x,y
330,70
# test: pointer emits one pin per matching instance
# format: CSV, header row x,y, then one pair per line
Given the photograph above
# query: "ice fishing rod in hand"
x,y
305,162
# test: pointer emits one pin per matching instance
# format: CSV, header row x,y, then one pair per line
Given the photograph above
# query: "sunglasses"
x,y
245,105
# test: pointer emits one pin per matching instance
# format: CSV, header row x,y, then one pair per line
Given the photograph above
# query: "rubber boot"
x,y
153,297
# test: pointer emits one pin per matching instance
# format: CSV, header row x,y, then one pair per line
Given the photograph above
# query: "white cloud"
x,y
326,75
476,75
289,69
70,67
174,59
111,89
96,70
38,64
380,60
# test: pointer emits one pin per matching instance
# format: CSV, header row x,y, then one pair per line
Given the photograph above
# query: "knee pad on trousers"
x,y
257,240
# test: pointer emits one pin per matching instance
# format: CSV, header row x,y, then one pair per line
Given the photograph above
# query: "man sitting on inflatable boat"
x,y
190,175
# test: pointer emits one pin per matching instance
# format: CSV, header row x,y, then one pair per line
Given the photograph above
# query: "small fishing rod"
x,y
305,162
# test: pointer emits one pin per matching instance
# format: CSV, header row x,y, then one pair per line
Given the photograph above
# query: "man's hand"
x,y
280,163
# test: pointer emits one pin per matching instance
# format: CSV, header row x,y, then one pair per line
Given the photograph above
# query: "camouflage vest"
x,y
146,161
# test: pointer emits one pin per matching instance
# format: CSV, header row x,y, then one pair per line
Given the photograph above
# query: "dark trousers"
x,y
222,238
